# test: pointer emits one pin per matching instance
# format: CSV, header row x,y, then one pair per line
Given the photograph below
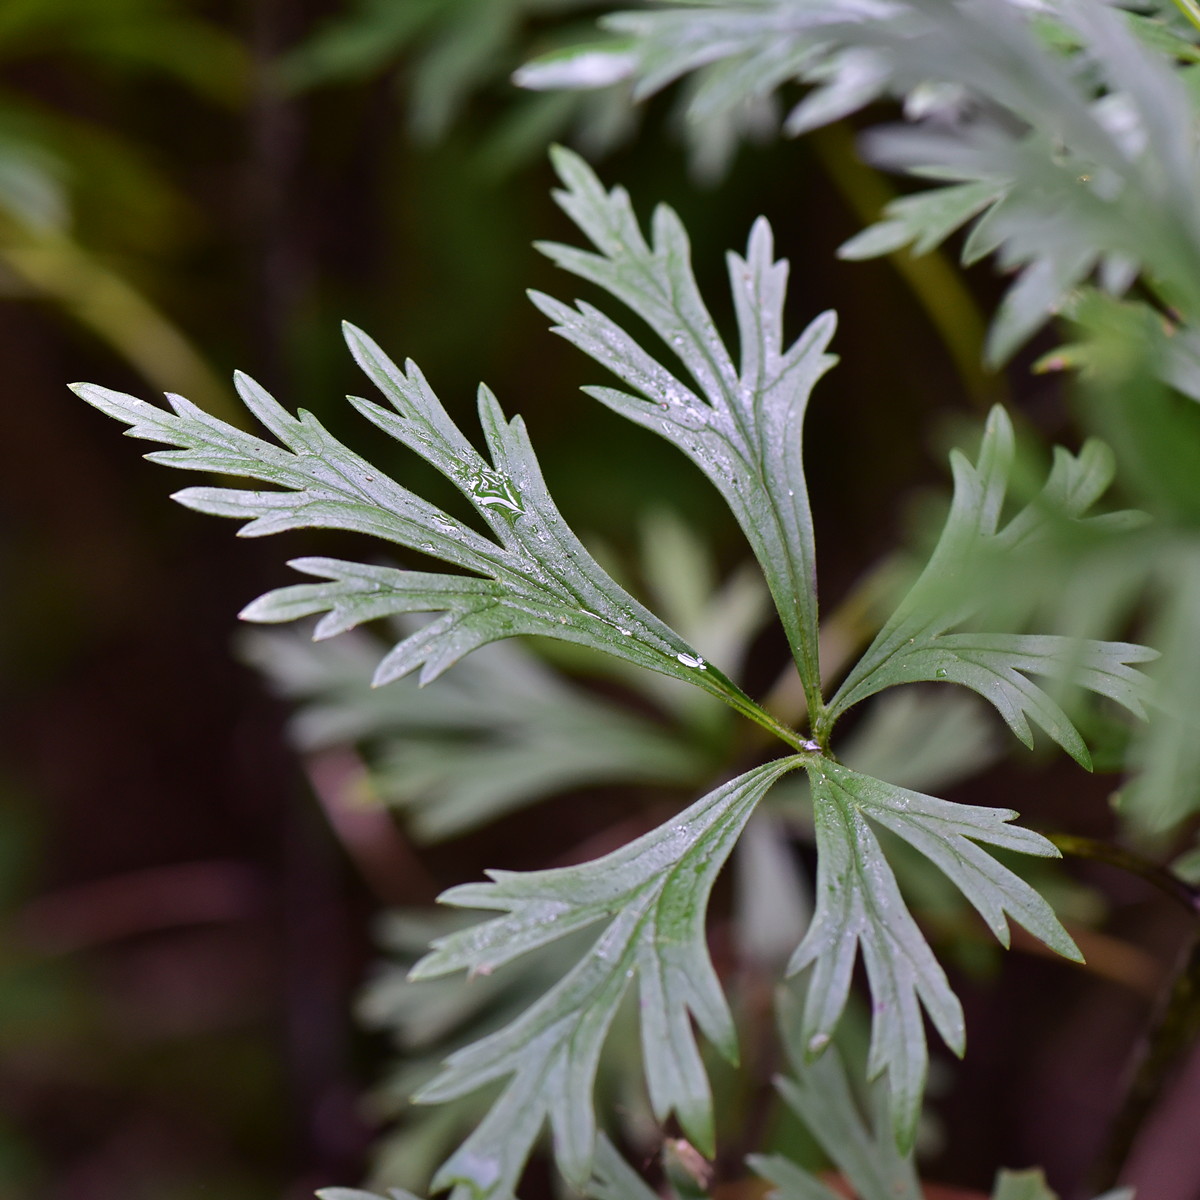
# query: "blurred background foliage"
x,y
187,186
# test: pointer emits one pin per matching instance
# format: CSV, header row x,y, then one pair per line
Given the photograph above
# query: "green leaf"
x,y
741,424
792,1182
341,1193
500,732
976,553
859,909
1022,1185
536,576
427,1020
590,65
614,1179
820,1095
862,1149
1032,1185
1061,121
652,895
924,220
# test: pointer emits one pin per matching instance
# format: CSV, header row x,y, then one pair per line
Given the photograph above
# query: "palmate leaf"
x,y
652,895
535,577
740,424
859,909
916,643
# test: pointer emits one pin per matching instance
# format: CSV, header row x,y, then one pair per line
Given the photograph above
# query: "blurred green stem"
x,y
1190,9
936,285
1177,1027
63,271
1173,1035
1116,856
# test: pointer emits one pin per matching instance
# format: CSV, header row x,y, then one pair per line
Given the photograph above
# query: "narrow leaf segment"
x,y
820,1094
652,896
740,424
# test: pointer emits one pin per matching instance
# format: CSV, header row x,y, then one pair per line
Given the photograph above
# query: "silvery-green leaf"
x,y
923,220
741,423
1022,1185
859,1144
532,575
597,65
918,642
792,1182
859,909
819,1093
651,896
1071,113
1032,1185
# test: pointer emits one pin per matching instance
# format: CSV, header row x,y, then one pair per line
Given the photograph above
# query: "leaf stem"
x,y
1117,856
1174,1033
938,288
1190,9
733,695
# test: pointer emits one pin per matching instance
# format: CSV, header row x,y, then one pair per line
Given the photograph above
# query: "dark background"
x,y
182,933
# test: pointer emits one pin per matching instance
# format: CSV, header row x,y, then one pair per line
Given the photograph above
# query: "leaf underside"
x,y
652,897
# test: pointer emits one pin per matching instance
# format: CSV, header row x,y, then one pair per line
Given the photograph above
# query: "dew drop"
x,y
493,490
692,660
940,673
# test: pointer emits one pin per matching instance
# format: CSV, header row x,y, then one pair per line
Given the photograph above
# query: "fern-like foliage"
x,y
500,732
653,896
740,423
916,643
534,577
1074,170
856,1138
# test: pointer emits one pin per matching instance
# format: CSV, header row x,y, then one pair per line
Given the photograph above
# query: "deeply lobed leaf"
x,y
740,424
858,1142
859,910
1059,122
974,553
652,895
533,576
